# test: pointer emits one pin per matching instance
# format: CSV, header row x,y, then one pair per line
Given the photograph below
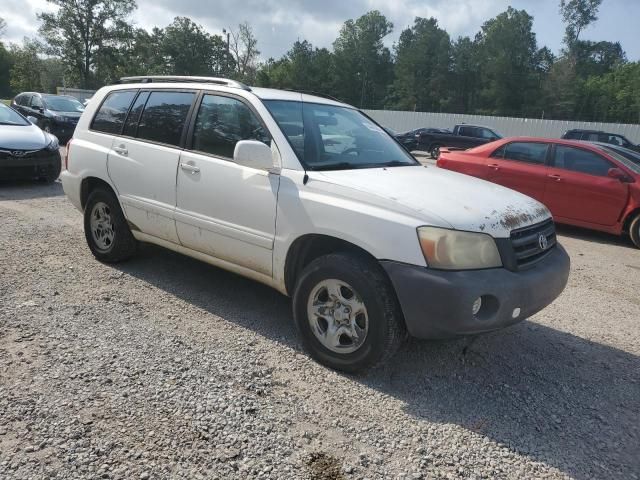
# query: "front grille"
x,y
42,154
526,243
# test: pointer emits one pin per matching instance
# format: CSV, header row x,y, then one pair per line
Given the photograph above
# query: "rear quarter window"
x,y
113,111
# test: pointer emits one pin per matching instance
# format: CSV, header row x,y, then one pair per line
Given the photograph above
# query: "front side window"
x,y
486,133
164,116
527,152
222,122
113,111
328,137
573,135
36,102
582,161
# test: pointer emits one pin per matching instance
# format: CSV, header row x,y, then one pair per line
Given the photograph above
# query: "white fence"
x,y
75,92
509,127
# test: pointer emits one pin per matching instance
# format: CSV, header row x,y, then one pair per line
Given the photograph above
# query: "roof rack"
x,y
182,78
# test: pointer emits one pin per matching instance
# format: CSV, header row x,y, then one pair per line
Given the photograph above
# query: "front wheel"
x,y
634,231
434,151
347,313
105,228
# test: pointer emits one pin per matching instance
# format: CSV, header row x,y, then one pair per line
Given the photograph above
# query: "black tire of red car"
x,y
123,246
386,330
634,230
434,151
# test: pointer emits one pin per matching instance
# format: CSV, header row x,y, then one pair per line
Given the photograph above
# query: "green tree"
x,y
80,29
26,67
577,15
363,65
5,65
423,58
465,76
508,51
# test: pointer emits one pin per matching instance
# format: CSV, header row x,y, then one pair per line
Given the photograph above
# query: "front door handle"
x,y
121,150
494,166
555,177
188,167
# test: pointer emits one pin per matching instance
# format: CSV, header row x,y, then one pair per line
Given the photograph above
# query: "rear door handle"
x,y
555,177
495,166
189,168
121,150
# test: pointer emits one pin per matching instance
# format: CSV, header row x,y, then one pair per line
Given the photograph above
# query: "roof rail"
x,y
183,78
315,94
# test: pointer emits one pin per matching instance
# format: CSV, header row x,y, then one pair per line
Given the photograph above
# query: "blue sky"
x,y
278,23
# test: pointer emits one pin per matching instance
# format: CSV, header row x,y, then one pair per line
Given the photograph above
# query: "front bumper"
x,y
438,304
40,164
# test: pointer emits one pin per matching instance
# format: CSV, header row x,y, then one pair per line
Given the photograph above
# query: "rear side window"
x,y
131,124
113,111
527,152
164,116
222,122
582,161
573,135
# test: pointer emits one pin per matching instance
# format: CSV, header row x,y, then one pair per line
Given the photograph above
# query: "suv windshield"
x,y
63,104
327,137
8,116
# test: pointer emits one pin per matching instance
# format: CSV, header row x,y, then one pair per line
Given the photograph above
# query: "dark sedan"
x,y
410,139
56,114
26,151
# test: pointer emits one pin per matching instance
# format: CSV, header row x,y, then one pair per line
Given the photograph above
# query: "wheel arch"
x,y
307,248
629,218
89,184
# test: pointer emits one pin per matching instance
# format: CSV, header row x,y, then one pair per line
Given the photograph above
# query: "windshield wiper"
x,y
335,166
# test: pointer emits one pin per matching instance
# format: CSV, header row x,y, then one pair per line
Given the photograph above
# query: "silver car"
x,y
26,152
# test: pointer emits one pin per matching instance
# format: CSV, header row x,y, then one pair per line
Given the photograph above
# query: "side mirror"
x,y
32,119
619,175
254,154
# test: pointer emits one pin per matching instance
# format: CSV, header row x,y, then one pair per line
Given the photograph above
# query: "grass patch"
x,y
6,102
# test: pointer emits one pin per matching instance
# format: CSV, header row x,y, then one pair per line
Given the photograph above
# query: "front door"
x,y
579,188
224,209
520,166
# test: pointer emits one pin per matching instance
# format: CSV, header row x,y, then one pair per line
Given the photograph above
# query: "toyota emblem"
x,y
543,243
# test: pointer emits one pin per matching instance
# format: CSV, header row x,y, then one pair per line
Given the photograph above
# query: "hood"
x,y
440,197
19,137
74,114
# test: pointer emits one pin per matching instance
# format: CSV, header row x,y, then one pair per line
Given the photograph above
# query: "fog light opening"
x,y
477,305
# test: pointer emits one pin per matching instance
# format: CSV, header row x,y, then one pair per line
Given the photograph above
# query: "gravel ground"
x,y
164,367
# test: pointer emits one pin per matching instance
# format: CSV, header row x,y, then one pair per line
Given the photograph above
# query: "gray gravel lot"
x,y
164,367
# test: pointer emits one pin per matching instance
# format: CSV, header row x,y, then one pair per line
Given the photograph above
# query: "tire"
x,y
363,282
434,151
634,231
112,240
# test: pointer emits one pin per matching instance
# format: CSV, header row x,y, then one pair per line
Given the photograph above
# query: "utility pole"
x,y
228,34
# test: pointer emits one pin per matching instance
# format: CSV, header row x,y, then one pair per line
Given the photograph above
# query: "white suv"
x,y
312,197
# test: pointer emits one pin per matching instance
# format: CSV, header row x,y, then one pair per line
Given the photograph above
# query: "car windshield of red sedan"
x,y
628,158
8,116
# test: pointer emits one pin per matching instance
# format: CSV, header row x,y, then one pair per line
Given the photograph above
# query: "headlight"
x,y
53,144
454,250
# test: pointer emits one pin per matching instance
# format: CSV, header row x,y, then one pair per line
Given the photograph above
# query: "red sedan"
x,y
589,185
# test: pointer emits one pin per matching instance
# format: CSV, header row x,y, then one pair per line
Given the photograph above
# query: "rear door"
x,y
224,209
143,160
520,166
579,188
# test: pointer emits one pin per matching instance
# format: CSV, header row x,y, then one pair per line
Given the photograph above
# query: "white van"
x,y
312,197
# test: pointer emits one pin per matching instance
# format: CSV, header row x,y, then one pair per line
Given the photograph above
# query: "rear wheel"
x,y
105,228
634,230
434,151
347,313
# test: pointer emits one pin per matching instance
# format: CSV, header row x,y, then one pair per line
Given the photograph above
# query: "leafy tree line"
x,y
500,71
